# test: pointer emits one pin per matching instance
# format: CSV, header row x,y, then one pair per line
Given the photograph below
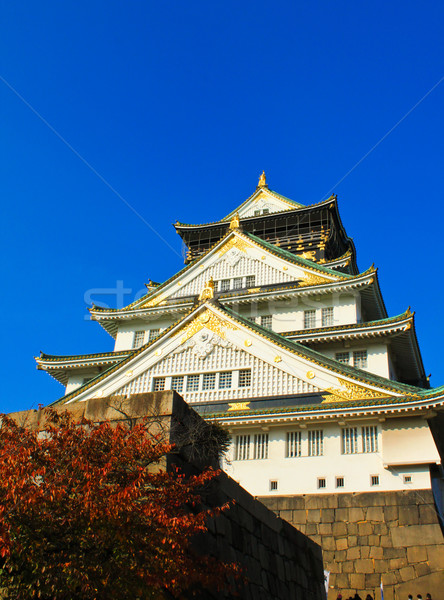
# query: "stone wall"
x,y
278,561
366,537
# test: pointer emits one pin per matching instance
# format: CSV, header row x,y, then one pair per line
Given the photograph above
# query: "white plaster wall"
x,y
377,355
299,475
289,315
76,379
125,333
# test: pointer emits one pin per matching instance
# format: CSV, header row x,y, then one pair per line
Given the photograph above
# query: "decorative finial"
x,y
235,222
262,180
208,291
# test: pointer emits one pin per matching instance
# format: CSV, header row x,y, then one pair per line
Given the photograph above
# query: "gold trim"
x,y
238,406
234,242
312,279
352,391
248,343
207,320
310,375
277,359
235,223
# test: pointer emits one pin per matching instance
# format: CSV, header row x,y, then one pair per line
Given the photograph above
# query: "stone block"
x,y
327,515
349,567
387,542
375,513
342,581
389,579
376,552
356,514
352,528
365,551
427,514
334,567
346,500
380,566
341,543
325,528
357,581
416,554
314,515
422,569
340,555
435,557
341,514
372,581
381,528
407,573
353,553
365,528
362,540
287,515
417,535
328,543
391,552
364,565
408,515
391,513
328,555
371,499
298,517
373,540
398,563
352,540
339,528
311,529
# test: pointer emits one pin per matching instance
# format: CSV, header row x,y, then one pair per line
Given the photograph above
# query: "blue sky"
x,y
179,106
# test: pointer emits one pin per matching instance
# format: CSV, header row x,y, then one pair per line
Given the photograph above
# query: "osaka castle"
x,y
271,329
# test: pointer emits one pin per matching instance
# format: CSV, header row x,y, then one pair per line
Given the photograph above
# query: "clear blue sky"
x,y
179,106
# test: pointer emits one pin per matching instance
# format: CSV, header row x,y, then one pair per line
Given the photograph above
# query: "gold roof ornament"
x,y
208,291
262,180
235,222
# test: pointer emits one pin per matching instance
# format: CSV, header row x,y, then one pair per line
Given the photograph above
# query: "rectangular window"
x,y
261,446
250,280
267,321
237,283
343,357
327,317
159,384
265,211
153,334
193,383
225,380
350,440
177,384
294,444
321,483
369,439
224,285
374,479
407,479
139,336
309,319
273,485
316,442
360,359
245,378
242,447
209,381
257,213
339,482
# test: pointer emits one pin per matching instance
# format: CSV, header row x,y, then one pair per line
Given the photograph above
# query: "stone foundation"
x,y
395,536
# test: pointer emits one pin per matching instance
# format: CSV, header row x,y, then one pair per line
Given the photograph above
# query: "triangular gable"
x,y
213,339
263,201
236,255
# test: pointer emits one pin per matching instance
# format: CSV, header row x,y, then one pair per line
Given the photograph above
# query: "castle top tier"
x,y
315,231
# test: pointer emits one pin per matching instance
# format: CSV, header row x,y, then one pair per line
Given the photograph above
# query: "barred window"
x,y
267,321
360,359
153,334
339,482
209,381
237,283
327,317
139,336
315,442
374,480
261,446
322,482
245,378
242,447
343,357
294,444
224,285
273,485
250,280
159,384
370,439
309,319
193,383
350,440
225,380
177,383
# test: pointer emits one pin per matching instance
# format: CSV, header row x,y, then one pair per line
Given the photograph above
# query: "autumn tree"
x,y
89,512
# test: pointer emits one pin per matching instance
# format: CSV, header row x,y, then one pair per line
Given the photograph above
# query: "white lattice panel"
x,y
265,275
267,380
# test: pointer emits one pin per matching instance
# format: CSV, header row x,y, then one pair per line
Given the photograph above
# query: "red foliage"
x,y
87,512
